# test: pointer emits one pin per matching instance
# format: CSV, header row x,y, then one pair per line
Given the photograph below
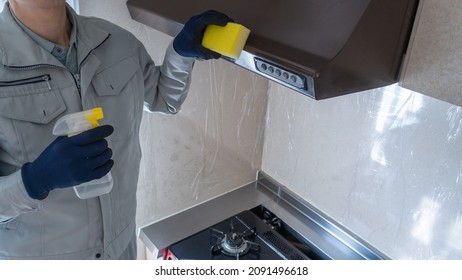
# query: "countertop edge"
x,y
165,232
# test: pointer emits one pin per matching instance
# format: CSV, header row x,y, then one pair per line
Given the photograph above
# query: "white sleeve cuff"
x,y
14,199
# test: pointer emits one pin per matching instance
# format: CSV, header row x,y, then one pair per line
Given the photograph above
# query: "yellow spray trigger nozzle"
x,y
95,115
78,122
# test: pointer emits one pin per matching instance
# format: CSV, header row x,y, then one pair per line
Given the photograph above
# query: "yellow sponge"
x,y
227,40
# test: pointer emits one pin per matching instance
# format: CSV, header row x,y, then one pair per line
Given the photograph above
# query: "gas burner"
x,y
243,236
233,243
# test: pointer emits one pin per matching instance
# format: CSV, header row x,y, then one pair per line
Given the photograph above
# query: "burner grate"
x,y
233,243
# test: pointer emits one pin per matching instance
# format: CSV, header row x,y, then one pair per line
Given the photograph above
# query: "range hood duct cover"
x,y
321,48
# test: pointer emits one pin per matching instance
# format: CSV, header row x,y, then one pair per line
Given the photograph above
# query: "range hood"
x,y
320,48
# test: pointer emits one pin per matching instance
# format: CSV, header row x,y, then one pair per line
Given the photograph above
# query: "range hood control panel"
x,y
282,75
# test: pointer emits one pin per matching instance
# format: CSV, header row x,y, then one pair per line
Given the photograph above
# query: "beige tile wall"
x,y
385,163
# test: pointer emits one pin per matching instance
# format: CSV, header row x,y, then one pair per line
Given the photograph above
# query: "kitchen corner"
x,y
281,226
385,164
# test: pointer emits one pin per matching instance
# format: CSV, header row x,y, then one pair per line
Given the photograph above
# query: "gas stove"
x,y
262,220
249,235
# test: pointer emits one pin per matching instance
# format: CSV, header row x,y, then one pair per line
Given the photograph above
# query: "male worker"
x,y
55,62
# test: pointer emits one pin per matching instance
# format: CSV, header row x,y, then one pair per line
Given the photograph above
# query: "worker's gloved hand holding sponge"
x,y
188,42
69,161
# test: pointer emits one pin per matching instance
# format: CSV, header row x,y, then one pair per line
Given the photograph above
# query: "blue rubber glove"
x,y
69,161
188,42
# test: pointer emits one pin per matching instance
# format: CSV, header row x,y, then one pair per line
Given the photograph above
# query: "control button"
x,y
279,73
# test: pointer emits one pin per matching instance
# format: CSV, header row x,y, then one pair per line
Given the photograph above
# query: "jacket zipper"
x,y
76,77
39,79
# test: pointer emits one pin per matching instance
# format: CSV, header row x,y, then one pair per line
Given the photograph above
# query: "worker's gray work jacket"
x,y
117,74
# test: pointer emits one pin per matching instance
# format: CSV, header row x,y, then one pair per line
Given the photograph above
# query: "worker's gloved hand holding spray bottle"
x,y
81,159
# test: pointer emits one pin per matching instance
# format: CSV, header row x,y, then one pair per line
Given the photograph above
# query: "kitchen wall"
x,y
212,146
385,163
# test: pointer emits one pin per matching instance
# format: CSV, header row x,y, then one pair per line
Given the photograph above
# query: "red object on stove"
x,y
168,255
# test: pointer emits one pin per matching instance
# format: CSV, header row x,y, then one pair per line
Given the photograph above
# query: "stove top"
x,y
245,236
271,223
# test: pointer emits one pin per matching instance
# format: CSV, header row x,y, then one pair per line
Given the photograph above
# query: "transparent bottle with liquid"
x,y
74,124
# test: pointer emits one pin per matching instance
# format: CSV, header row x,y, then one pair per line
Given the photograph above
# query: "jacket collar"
x,y
89,36
30,53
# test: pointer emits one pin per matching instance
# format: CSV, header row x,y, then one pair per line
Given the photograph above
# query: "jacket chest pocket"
x,y
27,108
12,224
118,91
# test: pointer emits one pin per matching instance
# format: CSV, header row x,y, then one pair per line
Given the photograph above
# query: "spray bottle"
x,y
76,123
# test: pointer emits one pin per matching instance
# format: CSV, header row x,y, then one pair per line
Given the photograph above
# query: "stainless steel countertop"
x,y
329,239
165,232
